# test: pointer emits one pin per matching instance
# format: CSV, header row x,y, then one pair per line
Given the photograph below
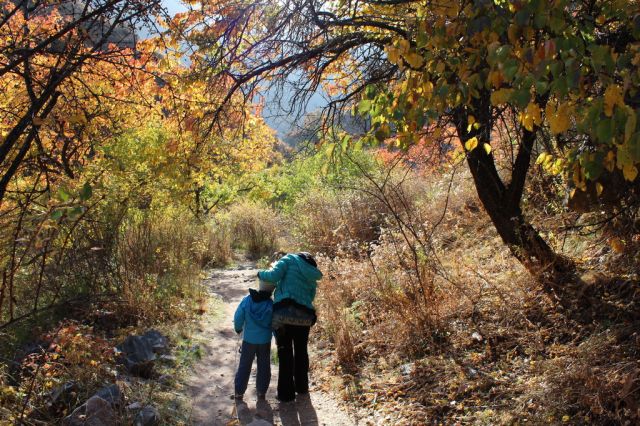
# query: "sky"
x,y
273,116
174,6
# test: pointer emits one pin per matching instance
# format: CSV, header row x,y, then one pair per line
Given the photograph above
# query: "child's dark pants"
x,y
293,374
250,351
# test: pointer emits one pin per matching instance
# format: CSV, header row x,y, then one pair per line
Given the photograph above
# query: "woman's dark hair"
x,y
307,258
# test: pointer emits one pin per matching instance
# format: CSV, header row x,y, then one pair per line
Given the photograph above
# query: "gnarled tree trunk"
x,y
502,201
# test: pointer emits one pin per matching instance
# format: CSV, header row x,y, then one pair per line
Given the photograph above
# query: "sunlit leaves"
x,y
471,144
531,116
612,97
558,116
501,96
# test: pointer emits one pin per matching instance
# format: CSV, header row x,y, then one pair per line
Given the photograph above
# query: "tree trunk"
x,y
502,201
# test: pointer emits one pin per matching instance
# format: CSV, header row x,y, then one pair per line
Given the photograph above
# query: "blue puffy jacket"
x,y
253,315
294,278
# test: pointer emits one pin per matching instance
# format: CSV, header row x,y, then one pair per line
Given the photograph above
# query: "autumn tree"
x,y
49,50
96,123
559,75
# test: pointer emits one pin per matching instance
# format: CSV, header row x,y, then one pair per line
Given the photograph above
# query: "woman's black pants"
x,y
293,374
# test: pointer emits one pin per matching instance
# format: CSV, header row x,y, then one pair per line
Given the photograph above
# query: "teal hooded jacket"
x,y
294,278
253,315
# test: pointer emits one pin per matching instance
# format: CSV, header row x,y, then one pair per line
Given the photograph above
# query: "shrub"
x,y
255,226
337,222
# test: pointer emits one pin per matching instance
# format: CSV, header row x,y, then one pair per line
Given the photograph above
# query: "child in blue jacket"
x,y
253,316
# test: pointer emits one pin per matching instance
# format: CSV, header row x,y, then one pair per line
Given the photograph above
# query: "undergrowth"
x,y
432,320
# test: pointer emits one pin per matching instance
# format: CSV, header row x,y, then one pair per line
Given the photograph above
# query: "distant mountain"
x,y
123,36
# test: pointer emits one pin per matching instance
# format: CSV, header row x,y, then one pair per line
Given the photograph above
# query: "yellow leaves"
x,y
609,161
542,157
472,123
414,60
558,116
77,119
626,162
393,55
427,88
530,116
630,172
487,148
578,177
403,45
471,144
555,166
630,125
400,49
501,96
496,78
612,97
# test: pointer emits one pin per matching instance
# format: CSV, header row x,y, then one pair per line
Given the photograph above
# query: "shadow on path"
x,y
300,412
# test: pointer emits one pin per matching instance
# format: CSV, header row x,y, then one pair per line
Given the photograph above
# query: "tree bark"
x,y
502,202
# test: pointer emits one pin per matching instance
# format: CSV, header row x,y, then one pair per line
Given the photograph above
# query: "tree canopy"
x,y
557,80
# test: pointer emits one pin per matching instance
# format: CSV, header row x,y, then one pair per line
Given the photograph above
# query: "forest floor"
x,y
210,386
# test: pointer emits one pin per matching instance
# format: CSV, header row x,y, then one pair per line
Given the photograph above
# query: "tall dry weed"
x,y
344,222
159,260
255,226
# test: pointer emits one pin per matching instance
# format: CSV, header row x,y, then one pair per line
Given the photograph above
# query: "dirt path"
x,y
211,384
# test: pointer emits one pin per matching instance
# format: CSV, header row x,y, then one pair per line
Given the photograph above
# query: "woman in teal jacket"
x,y
295,277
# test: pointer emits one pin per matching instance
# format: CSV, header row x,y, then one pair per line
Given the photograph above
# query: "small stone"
x,y
407,369
137,356
169,359
165,379
477,336
135,406
148,416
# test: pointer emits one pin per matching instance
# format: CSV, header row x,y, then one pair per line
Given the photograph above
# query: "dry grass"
x,y
159,262
484,346
255,228
332,223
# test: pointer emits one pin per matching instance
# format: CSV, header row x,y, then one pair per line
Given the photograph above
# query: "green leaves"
x,y
364,106
63,194
86,192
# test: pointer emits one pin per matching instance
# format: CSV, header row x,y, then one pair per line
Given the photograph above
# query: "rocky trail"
x,y
211,385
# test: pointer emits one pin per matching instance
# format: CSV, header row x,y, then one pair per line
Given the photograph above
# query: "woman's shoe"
x,y
262,396
237,396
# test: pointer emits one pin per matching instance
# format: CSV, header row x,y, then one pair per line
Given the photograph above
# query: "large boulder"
x,y
137,356
95,412
111,394
159,343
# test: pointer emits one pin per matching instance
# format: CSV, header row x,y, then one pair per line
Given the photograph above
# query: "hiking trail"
x,y
210,385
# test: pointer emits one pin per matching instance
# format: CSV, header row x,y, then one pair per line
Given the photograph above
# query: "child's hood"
x,y
259,305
